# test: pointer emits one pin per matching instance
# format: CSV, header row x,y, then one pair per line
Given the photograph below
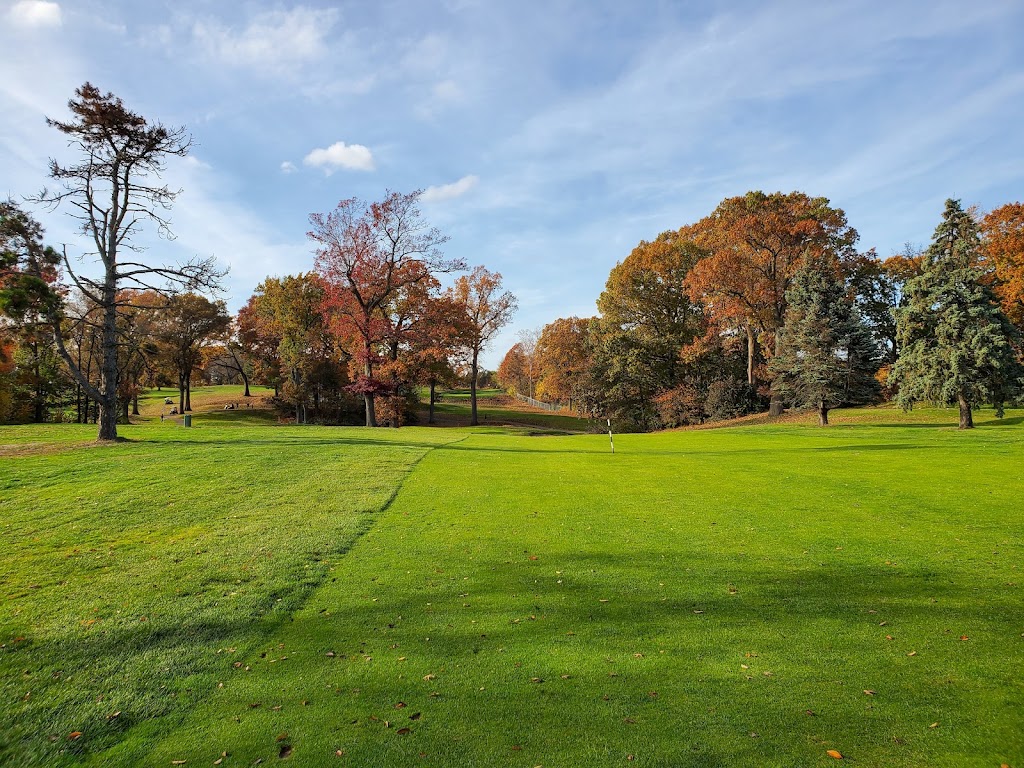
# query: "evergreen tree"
x,y
827,355
957,346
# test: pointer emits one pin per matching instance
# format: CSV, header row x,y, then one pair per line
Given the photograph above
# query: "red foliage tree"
x,y
368,255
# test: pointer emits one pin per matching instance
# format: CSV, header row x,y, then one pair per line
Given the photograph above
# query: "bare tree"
x,y
528,339
113,190
487,309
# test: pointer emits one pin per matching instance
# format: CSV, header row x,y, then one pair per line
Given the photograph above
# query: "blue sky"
x,y
550,136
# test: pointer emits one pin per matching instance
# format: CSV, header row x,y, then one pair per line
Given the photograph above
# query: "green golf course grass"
x,y
752,596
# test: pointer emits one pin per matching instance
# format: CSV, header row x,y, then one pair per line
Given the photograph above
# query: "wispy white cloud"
x,y
35,13
273,40
451,191
288,167
352,157
208,219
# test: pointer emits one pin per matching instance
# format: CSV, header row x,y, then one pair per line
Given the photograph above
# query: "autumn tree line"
x,y
355,338
766,304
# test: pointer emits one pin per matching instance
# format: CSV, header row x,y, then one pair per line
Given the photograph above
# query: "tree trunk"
x,y
188,392
751,354
822,415
181,393
775,407
966,416
135,404
473,421
245,380
371,414
433,387
39,409
108,368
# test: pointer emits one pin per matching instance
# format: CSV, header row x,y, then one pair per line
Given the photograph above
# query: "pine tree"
x,y
957,346
827,356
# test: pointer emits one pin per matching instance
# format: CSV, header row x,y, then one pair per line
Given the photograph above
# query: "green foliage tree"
x,y
957,345
28,298
826,354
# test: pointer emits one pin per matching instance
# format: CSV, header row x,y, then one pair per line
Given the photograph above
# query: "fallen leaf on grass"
x,y
912,653
536,679
74,735
429,677
835,753
869,692
415,715
401,705
286,751
404,731
934,725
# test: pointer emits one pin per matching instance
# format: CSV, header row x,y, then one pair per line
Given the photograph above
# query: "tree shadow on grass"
x,y
489,667
537,448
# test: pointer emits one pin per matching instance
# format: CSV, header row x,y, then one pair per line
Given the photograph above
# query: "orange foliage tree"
x,y
756,244
511,373
563,358
1003,243
485,310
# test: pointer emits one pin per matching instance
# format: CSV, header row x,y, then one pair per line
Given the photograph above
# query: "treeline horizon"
x,y
766,303
763,303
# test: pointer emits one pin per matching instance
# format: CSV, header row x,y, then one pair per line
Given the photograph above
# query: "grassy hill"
x,y
756,595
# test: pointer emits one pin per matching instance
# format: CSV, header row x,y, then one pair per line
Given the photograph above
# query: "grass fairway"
x,y
125,568
742,597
